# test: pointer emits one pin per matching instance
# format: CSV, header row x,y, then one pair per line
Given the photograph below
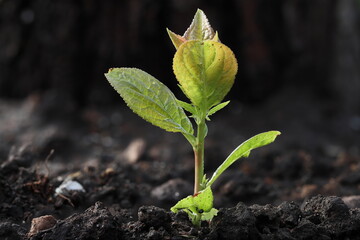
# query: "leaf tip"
x,y
174,209
277,133
216,37
199,28
107,74
176,39
199,11
110,71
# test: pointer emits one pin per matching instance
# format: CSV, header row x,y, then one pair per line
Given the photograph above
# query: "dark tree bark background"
x,y
62,48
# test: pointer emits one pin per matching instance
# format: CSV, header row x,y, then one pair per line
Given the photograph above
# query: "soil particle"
x,y
234,223
95,223
41,223
134,151
172,190
308,230
154,217
153,223
234,185
290,214
320,218
352,201
271,219
18,157
325,208
350,178
11,231
332,217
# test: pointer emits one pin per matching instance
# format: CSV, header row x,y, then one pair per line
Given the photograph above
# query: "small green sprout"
x,y
205,69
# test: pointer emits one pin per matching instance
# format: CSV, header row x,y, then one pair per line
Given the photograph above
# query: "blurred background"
x,y
62,48
299,67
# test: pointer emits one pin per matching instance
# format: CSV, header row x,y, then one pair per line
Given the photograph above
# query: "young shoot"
x,y
205,69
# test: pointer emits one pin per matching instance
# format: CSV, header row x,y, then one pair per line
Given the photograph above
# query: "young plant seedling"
x,y
205,69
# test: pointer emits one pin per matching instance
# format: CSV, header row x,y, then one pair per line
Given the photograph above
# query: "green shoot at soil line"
x,y
205,69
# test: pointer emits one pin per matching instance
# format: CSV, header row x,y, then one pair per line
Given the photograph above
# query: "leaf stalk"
x,y
199,154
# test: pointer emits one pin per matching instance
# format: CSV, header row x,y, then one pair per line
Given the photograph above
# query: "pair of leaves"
x,y
195,111
199,207
150,99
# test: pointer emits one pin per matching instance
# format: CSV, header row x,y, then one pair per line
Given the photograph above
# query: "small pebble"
x,y
41,223
352,201
68,186
134,151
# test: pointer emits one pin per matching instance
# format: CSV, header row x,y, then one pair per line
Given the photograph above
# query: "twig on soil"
x,y
66,198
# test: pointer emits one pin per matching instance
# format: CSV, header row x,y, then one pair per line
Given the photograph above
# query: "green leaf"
x,y
187,106
199,28
208,216
217,108
244,150
176,39
198,207
150,99
199,203
205,70
216,37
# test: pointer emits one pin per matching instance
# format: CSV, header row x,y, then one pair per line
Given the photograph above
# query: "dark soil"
x,y
306,185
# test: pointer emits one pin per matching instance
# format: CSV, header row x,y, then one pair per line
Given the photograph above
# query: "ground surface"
x,y
131,173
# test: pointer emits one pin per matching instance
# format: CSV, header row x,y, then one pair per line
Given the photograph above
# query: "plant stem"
x,y
199,155
197,220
